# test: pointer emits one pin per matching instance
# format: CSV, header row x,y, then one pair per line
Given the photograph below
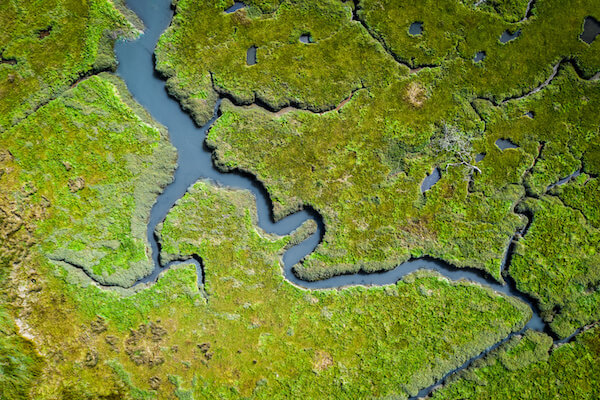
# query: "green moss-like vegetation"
x,y
248,332
362,165
80,168
46,46
523,369
96,166
557,262
19,364
316,76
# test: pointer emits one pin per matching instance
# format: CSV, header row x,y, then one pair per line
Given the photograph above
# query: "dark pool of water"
x,y
305,38
505,144
480,56
479,157
236,6
591,29
530,114
251,55
507,36
431,180
416,28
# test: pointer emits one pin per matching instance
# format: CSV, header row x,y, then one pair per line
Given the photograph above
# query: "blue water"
x,y
480,56
507,36
431,180
504,144
416,28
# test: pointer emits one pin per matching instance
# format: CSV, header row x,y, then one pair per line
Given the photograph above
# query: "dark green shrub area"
x,y
558,263
526,368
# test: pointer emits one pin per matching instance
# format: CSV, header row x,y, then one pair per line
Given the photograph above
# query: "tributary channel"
x,y
136,67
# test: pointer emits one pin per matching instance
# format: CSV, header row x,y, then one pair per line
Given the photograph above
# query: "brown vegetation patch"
x,y
415,94
322,360
143,346
76,184
44,32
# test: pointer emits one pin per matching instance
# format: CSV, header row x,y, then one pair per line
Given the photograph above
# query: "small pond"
x,y
507,36
591,29
480,56
416,28
251,55
504,144
431,180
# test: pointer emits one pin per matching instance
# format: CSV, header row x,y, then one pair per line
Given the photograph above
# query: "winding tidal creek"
x,y
136,67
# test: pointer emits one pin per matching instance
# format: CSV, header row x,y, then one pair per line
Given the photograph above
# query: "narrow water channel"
x,y
136,67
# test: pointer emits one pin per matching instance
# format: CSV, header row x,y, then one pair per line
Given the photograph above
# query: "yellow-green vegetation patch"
x,y
268,338
526,368
454,31
45,46
369,196
206,48
556,261
361,165
96,164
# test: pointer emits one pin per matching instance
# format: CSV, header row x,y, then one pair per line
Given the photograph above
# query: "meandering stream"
x,y
136,67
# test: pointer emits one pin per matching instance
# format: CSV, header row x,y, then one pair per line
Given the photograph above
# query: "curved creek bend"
x,y
136,68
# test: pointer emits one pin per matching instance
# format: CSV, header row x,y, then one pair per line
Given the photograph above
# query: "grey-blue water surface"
x,y
507,36
431,180
591,29
251,55
306,39
416,28
136,67
236,6
504,144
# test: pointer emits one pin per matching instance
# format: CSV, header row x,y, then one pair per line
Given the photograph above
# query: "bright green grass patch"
x,y
97,166
52,43
376,217
247,332
523,369
453,32
353,342
319,75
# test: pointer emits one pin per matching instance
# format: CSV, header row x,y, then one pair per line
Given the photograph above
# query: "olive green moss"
x,y
556,261
361,166
317,76
19,363
98,164
526,368
53,43
248,333
80,169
